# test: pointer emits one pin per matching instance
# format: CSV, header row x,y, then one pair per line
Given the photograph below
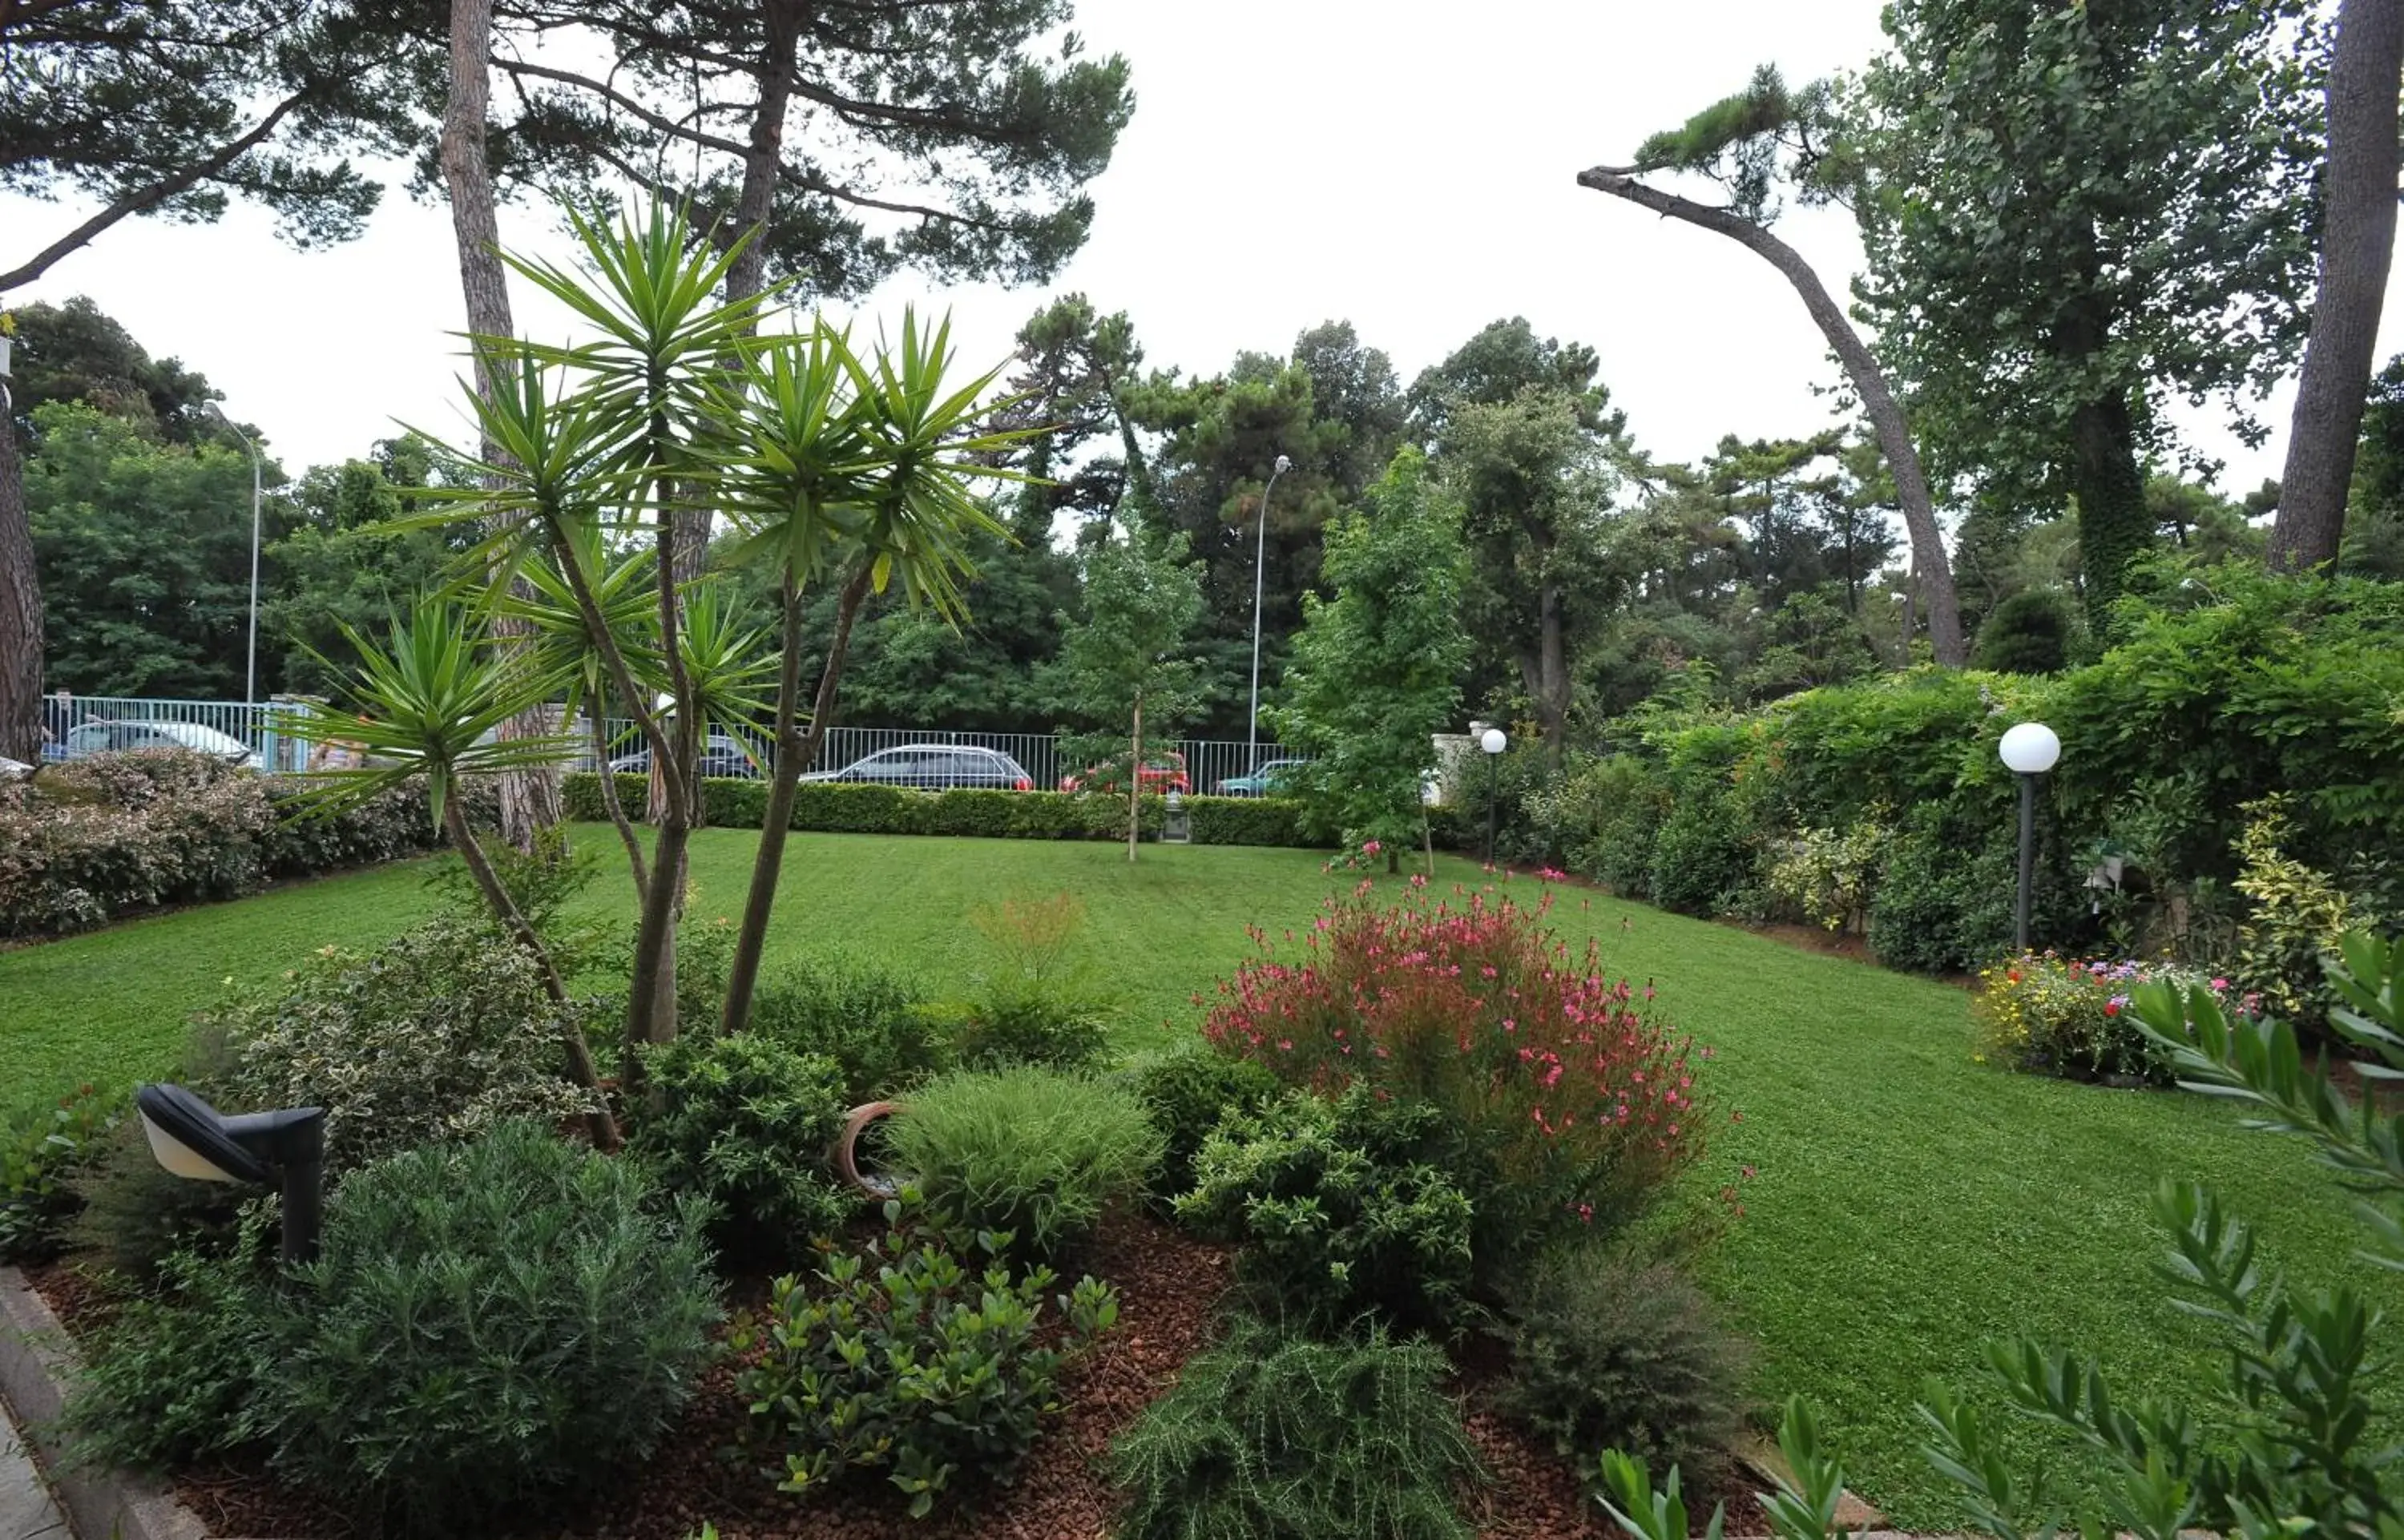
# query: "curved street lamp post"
x,y
1260,567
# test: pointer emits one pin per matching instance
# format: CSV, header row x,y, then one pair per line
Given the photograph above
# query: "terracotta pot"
x,y
875,1185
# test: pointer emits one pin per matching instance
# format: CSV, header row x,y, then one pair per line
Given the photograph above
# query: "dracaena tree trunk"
x,y
530,798
1929,566
2357,244
603,1128
795,751
20,614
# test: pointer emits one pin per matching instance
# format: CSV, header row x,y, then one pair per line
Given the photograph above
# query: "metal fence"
x,y
266,728
1207,763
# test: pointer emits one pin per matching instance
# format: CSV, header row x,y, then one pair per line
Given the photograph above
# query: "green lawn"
x,y
1907,1205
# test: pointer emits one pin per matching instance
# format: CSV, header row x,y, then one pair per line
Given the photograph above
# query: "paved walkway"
x,y
26,1510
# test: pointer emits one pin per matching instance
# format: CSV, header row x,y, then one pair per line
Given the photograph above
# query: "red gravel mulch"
x,y
1169,1286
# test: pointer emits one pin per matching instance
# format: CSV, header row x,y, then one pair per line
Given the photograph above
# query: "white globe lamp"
x,y
2029,749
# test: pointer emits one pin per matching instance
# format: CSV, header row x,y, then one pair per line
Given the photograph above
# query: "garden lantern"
x,y
1493,741
2029,751
285,1149
1178,827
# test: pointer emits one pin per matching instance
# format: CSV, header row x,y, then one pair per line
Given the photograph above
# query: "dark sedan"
x,y
722,755
934,768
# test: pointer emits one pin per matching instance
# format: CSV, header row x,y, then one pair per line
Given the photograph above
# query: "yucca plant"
x,y
554,620
855,471
429,700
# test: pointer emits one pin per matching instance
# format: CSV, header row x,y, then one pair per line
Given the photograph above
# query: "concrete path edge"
x,y
37,1360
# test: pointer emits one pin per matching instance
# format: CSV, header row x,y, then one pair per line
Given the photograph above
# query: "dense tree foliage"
x,y
2076,213
1375,668
145,554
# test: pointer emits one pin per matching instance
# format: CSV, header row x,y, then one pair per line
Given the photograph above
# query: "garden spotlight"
x,y
285,1149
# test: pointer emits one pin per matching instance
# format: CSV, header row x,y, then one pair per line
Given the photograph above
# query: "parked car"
x,y
722,754
100,737
1160,774
934,768
1262,782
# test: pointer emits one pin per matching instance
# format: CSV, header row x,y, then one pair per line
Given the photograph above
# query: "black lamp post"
x,y
1493,741
2031,749
285,1149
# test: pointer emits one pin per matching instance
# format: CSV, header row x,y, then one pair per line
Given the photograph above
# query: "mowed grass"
x,y
1906,1206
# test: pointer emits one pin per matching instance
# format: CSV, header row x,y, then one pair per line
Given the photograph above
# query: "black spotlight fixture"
x,y
285,1149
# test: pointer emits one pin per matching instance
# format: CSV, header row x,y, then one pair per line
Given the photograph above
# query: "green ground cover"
x,y
1906,1203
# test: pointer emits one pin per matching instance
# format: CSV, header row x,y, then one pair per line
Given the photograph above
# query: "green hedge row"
x,y
840,807
2219,692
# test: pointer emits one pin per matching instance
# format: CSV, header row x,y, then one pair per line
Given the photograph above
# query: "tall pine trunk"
x,y
20,614
1929,564
2357,242
530,798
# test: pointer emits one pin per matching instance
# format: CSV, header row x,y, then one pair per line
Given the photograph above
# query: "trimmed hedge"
x,y
97,839
847,809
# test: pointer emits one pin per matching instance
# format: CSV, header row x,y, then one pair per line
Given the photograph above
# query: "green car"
x,y
1261,782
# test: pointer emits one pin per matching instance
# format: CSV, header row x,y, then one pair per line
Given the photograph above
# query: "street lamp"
x,y
1260,560
1493,741
2029,750
286,1149
250,670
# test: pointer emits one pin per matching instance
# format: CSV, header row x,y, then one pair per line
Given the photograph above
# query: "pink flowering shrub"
x,y
1575,1102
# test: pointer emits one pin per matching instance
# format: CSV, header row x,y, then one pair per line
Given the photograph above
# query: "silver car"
x,y
100,737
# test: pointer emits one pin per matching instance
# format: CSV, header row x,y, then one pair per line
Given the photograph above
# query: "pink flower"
x,y
1370,848
2220,984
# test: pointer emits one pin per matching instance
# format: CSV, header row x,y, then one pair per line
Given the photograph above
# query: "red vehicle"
x,y
1161,772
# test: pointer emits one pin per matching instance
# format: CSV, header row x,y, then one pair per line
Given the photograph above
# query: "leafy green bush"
x,y
1702,854
1345,1209
440,1034
488,1324
1611,1353
2032,632
1011,1024
1937,907
1304,1440
2299,915
1037,1002
41,1148
908,1361
871,1022
1826,878
1034,1151
1187,1093
747,1122
98,838
179,1374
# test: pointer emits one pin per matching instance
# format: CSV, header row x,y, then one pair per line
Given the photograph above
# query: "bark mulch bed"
x,y
1169,1287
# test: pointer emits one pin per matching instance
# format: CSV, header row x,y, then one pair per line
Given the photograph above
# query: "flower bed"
x,y
2042,1013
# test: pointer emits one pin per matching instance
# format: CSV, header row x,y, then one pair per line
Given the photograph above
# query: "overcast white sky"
x,y
1407,166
